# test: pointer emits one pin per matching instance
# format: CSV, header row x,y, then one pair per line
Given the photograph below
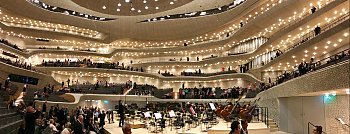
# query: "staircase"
x,y
9,119
273,125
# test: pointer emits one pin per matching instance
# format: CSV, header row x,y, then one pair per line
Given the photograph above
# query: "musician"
x,y
126,128
121,111
244,129
235,128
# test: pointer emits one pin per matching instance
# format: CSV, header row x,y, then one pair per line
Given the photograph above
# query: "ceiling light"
x,y
315,48
132,9
346,34
157,8
328,42
146,7
144,1
340,40
118,9
326,47
171,3
335,45
104,7
139,11
127,1
119,4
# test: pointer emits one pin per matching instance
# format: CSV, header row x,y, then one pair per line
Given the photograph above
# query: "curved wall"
x,y
335,77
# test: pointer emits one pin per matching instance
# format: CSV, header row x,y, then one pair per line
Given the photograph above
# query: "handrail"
x,y
342,122
311,34
308,128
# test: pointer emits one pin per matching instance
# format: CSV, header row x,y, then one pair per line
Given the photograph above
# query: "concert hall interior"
x,y
174,67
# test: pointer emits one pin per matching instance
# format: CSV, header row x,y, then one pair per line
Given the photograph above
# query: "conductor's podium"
x,y
253,128
137,125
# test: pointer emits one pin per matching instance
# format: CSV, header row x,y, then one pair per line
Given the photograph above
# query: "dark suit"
x,y
30,122
78,128
102,117
122,114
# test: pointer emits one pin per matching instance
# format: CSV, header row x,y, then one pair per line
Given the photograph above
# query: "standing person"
x,y
121,113
235,129
25,88
44,108
244,129
112,116
68,81
79,125
109,116
102,117
29,119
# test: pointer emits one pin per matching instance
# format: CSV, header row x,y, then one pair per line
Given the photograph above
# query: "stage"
x,y
220,128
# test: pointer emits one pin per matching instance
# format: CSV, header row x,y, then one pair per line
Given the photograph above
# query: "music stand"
x,y
158,116
212,106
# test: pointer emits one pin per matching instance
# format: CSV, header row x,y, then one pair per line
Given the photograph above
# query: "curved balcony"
x,y
223,40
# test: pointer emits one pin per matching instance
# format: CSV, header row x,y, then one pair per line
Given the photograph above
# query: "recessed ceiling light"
x,y
146,7
118,9
127,1
144,1
328,42
157,7
119,4
335,45
132,9
346,34
171,3
104,7
139,11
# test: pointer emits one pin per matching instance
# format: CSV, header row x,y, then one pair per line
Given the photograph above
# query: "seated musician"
x,y
235,128
126,128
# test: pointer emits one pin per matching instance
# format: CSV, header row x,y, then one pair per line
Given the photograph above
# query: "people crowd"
x,y
59,48
7,43
304,68
61,120
197,93
17,63
88,63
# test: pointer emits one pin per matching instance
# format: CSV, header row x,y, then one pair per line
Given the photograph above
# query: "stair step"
x,y
274,129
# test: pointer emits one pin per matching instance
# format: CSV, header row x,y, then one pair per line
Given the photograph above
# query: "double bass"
x,y
226,111
247,113
227,114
